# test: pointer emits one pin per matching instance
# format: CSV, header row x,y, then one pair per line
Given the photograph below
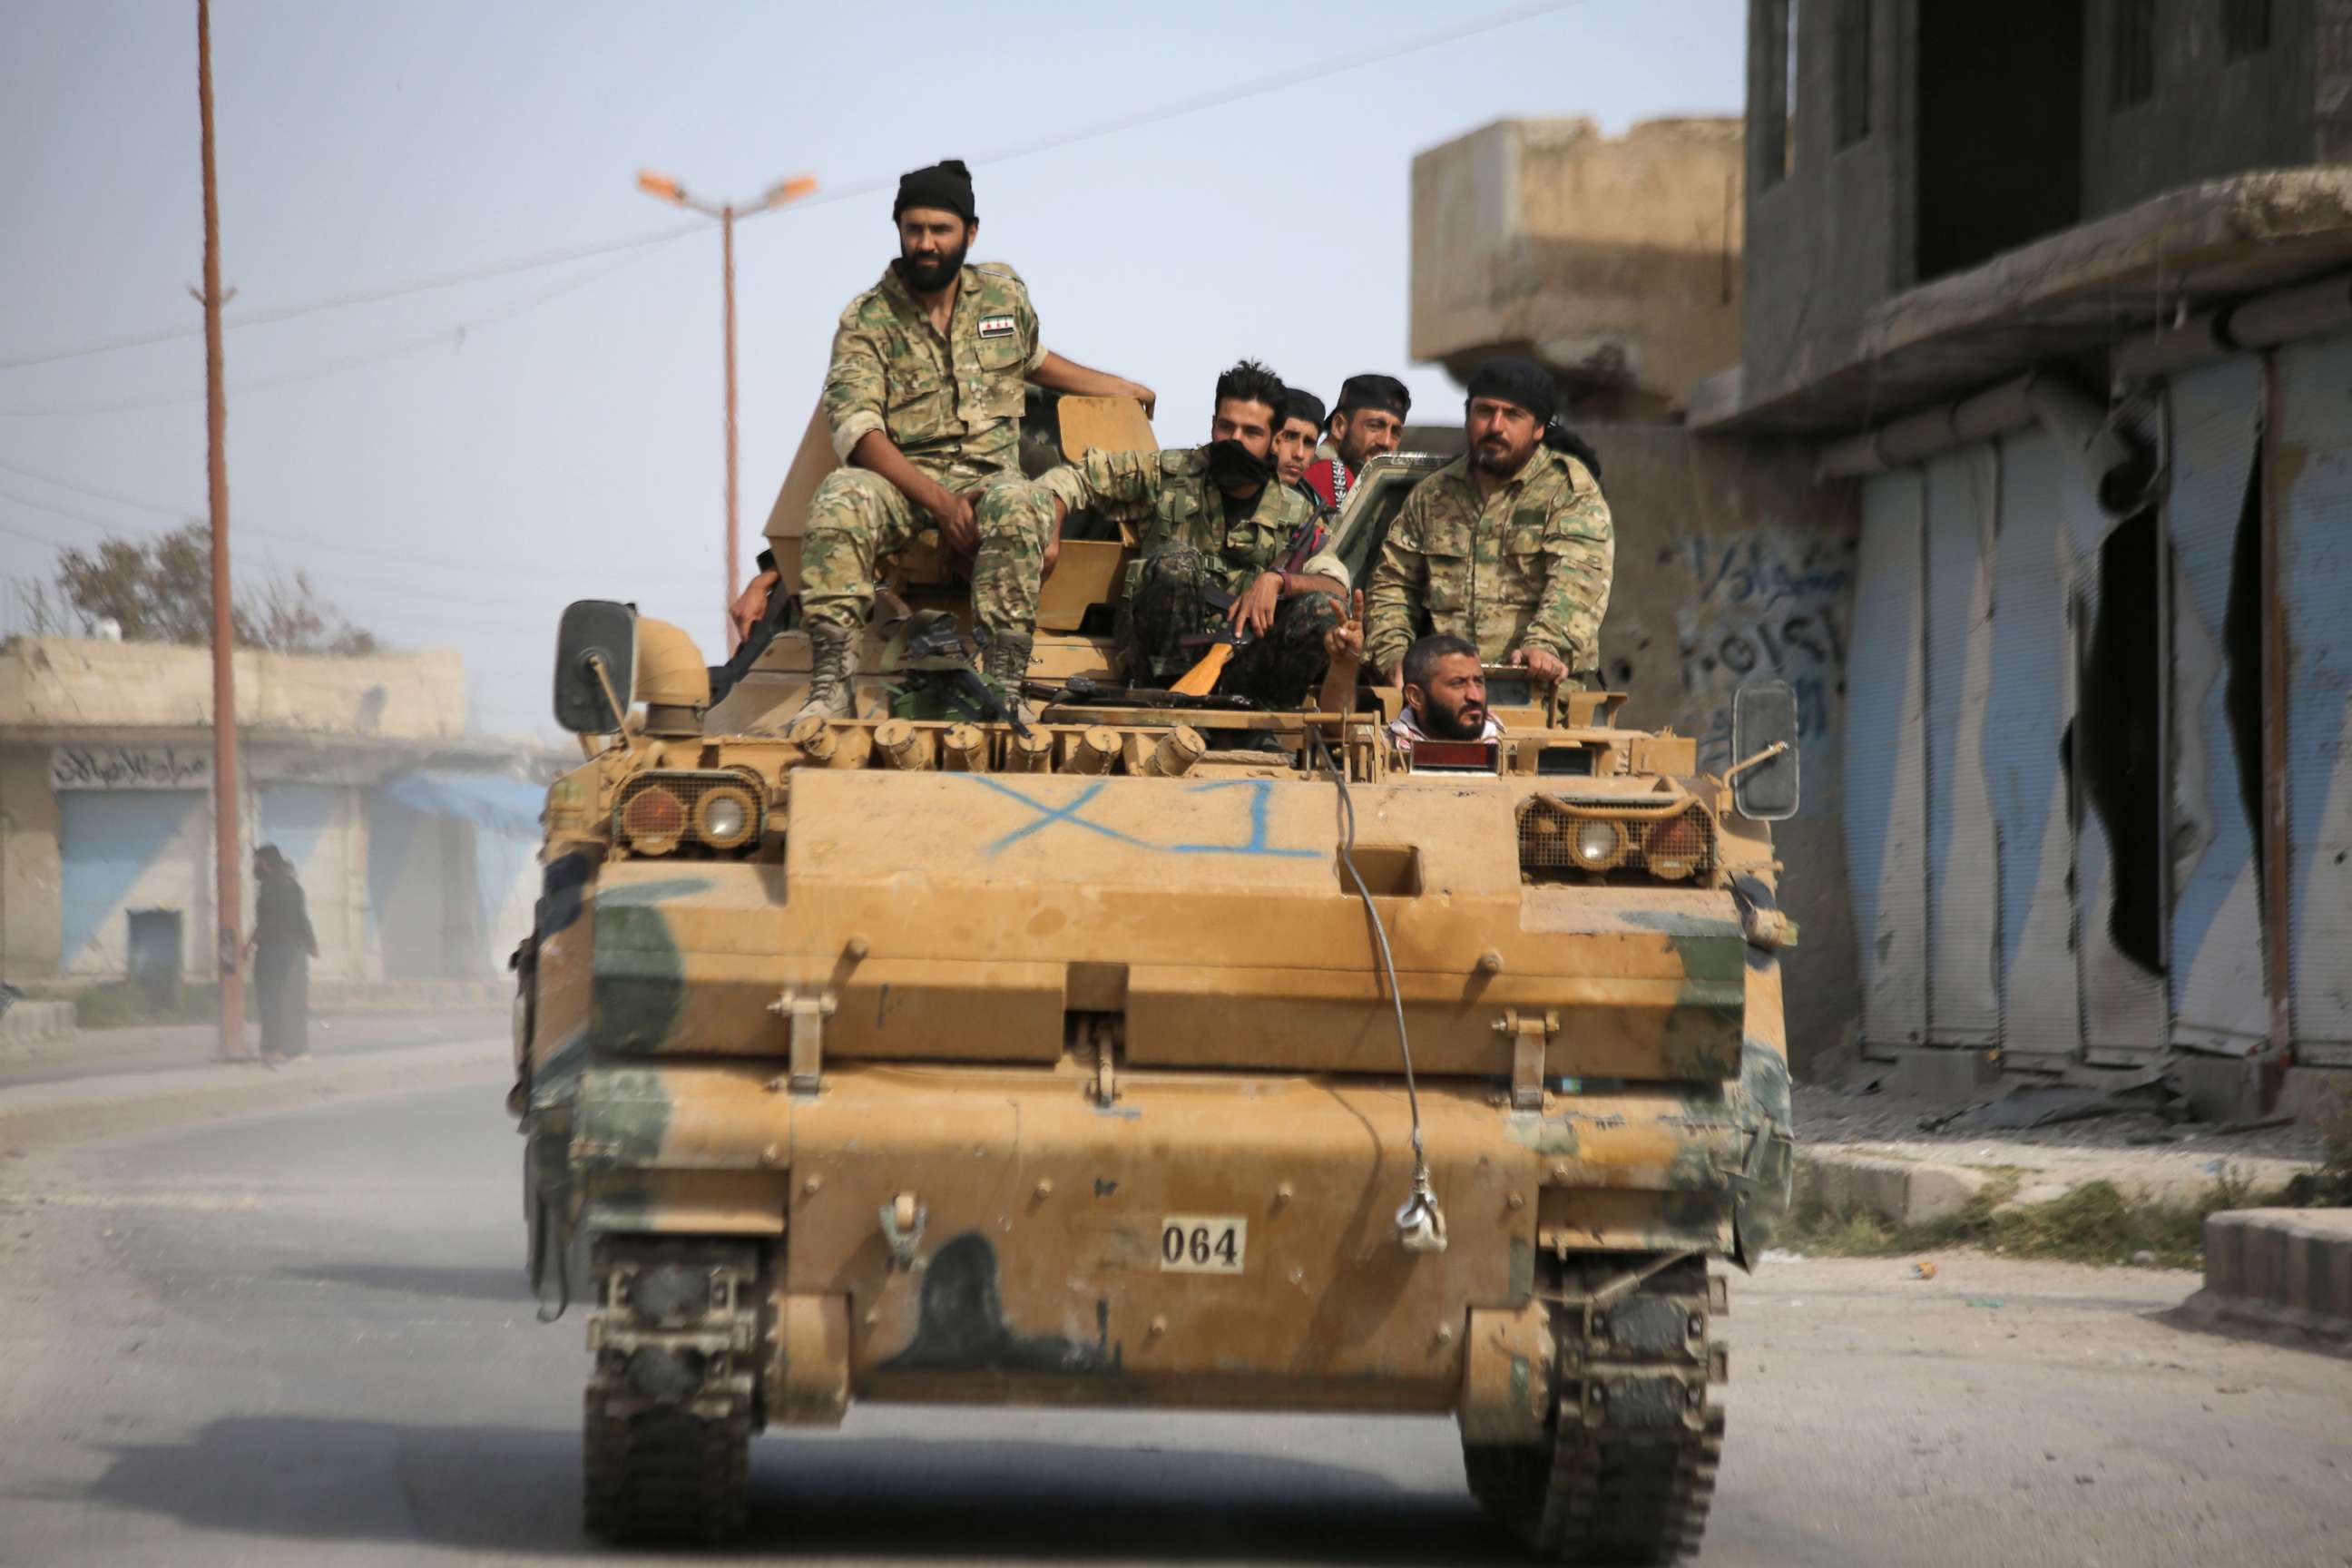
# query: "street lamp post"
x,y
774,196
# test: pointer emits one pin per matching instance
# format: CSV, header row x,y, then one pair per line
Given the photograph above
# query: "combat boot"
x,y
831,648
1006,660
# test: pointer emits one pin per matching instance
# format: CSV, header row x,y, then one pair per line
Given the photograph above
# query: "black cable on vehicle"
x,y
1420,1205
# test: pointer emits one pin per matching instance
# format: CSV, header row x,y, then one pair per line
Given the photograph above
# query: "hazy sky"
x,y
555,432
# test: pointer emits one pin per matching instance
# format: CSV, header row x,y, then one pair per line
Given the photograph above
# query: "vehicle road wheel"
x,y
664,1474
1603,1500
1626,1475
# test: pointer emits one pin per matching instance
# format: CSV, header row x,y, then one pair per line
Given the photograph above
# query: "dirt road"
x,y
303,1339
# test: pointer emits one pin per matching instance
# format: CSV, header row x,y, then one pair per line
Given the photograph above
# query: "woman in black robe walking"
x,y
281,947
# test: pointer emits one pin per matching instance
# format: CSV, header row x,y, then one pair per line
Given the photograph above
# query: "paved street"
x,y
303,1339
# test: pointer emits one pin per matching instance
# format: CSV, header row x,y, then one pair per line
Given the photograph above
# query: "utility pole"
x,y
227,893
774,196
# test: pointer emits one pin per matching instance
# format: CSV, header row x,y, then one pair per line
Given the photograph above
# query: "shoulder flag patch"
x,y
996,326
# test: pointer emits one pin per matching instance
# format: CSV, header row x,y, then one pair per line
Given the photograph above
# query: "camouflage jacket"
x,y
1169,499
949,403
1529,568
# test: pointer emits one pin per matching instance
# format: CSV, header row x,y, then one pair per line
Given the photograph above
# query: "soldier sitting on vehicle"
x,y
1294,445
1509,546
1368,421
1215,532
924,396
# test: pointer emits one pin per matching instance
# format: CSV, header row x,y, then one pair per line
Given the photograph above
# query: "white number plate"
x,y
1202,1244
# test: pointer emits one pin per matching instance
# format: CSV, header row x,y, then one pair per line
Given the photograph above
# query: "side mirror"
x,y
596,649
1763,715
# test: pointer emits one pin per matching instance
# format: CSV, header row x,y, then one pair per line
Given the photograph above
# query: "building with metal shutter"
x,y
414,843
2087,358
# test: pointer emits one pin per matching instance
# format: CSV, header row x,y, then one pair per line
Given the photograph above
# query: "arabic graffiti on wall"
x,y
1766,605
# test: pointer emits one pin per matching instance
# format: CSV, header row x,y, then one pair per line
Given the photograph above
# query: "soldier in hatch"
x,y
1368,421
1215,530
924,396
1294,443
1509,546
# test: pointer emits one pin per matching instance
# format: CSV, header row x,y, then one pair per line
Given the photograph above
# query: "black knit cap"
x,y
1302,403
946,184
1516,380
1385,393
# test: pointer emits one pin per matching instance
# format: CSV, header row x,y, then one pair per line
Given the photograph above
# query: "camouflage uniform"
x,y
1187,547
1529,568
952,404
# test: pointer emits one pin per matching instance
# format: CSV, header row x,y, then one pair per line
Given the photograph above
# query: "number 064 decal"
x,y
1202,1244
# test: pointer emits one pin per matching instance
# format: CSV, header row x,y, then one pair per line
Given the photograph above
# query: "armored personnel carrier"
x,y
1161,1052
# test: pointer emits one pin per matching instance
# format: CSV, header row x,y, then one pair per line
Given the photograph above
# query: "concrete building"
x,y
415,843
1615,261
1617,264
2059,289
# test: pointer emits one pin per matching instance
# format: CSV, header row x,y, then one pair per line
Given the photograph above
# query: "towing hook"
x,y
1421,1223
902,1229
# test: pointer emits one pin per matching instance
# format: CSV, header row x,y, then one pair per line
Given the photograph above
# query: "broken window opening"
x,y
2131,59
2242,645
2245,27
1853,71
2116,734
1991,183
1775,94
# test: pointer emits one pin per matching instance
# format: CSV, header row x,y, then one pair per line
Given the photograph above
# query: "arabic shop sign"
x,y
128,767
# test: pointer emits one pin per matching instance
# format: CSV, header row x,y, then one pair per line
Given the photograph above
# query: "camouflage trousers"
x,y
1171,603
859,520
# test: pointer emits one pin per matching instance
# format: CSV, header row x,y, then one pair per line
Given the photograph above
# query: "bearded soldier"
x,y
1215,531
1509,547
924,398
1368,422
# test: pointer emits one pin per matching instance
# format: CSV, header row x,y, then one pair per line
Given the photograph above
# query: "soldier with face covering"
x,y
1215,523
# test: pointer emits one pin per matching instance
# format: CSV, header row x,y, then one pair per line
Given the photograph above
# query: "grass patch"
x,y
124,1003
2331,1184
2097,1223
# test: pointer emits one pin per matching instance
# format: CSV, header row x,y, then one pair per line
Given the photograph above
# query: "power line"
x,y
180,513
364,297
448,337
56,510
1178,109
403,557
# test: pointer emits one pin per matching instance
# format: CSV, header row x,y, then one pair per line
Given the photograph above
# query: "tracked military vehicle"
x,y
1161,1052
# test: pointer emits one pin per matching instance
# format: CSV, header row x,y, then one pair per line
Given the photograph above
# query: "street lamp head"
x,y
789,190
661,186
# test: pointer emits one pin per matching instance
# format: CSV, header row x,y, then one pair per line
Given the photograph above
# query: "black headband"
x,y
946,184
1520,381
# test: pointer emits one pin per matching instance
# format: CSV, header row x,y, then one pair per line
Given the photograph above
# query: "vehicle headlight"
x,y
1675,847
725,818
654,820
1598,844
